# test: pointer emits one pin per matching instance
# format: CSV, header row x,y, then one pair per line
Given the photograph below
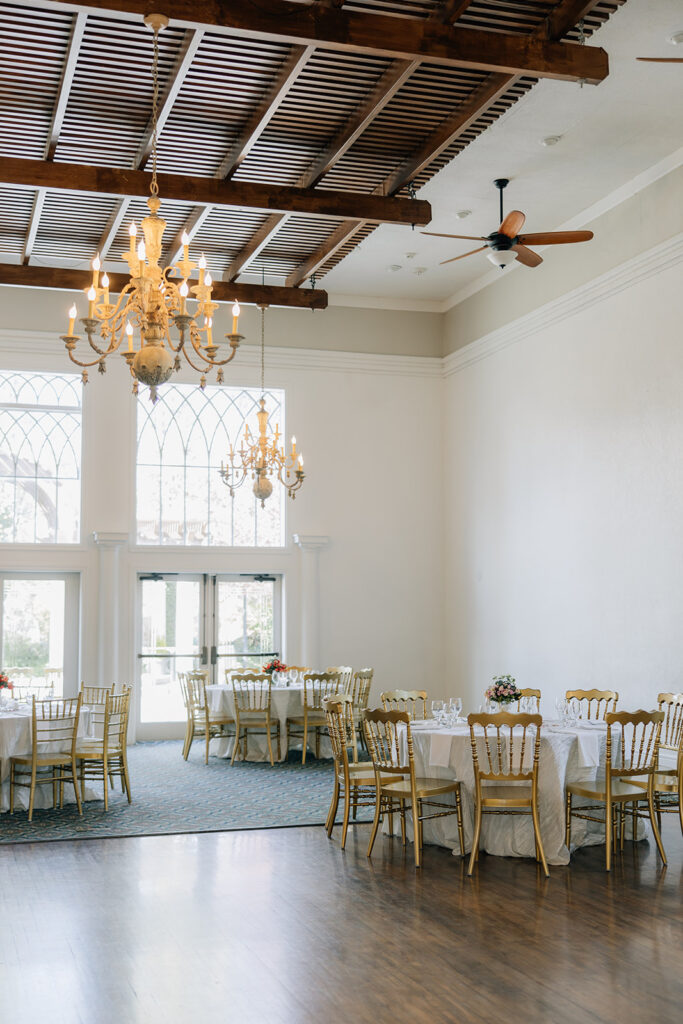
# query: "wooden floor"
x,y
281,927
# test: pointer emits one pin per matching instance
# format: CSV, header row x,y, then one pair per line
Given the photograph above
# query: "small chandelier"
x,y
263,457
153,297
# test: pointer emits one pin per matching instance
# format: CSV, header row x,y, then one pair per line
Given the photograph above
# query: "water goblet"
x,y
437,711
457,704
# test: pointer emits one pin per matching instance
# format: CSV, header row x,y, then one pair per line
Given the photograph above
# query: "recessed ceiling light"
x,y
676,38
420,270
394,267
461,214
410,255
550,140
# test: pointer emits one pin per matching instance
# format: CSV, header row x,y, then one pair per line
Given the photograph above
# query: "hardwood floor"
x,y
281,927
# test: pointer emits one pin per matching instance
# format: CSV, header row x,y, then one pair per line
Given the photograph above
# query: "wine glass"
x,y
562,708
437,711
456,703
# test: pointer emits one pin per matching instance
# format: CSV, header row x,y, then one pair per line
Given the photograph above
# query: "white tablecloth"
x,y
566,754
15,741
286,702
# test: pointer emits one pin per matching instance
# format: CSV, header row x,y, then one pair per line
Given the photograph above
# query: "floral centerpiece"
x,y
274,665
503,690
5,683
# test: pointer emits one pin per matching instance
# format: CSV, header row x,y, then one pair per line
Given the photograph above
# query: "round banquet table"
x,y
15,741
286,702
567,754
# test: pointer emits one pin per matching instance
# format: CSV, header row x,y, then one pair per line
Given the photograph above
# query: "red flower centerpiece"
x,y
274,665
5,683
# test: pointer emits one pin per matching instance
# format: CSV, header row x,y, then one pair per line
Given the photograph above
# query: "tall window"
x,y
181,498
40,458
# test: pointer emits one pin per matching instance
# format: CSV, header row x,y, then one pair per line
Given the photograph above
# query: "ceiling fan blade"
x,y
512,223
555,237
462,257
527,256
469,238
662,60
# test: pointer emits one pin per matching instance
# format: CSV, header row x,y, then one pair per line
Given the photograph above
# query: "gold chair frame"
x,y
354,782
359,691
253,697
668,782
48,727
200,720
598,701
409,701
515,789
528,692
106,758
317,686
345,672
637,759
93,695
396,783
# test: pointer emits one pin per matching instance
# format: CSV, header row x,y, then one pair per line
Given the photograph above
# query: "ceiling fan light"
x,y
503,258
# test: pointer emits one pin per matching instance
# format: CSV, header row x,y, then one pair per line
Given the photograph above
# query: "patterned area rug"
x,y
174,796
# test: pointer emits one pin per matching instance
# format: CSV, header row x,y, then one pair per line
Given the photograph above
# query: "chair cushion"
x,y
423,787
595,789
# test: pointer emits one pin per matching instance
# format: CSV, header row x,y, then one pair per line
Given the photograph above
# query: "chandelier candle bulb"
x,y
105,285
209,326
96,264
186,246
202,268
132,231
92,295
142,254
72,320
129,332
183,298
235,316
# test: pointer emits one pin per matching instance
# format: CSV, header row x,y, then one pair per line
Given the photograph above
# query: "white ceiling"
x,y
610,134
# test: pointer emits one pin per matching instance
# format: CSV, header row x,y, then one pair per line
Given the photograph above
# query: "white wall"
x,y
564,502
370,428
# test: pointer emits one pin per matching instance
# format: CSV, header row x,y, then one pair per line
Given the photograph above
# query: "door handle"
x,y
214,655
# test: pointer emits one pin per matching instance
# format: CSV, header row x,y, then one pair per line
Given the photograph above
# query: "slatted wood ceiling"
x,y
107,114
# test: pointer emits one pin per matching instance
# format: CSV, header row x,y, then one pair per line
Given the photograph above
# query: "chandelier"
x,y
153,297
262,457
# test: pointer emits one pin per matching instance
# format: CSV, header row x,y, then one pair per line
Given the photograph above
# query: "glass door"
x,y
247,616
39,632
172,630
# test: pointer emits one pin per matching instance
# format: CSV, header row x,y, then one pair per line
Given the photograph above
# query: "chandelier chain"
x,y
154,187
263,350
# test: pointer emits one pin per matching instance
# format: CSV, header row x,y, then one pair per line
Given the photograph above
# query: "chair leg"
x,y
680,798
74,779
539,841
105,783
609,835
375,823
270,746
332,813
317,742
277,739
11,788
32,793
417,831
658,808
404,840
568,824
238,732
655,826
474,853
345,823
622,825
188,740
461,834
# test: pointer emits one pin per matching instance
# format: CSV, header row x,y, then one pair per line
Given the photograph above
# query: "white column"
x,y
108,606
310,596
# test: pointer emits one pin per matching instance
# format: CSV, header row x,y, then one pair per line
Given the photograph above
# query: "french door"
x,y
190,621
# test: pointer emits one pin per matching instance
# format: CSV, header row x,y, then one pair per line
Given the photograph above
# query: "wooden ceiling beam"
x,y
79,280
63,90
246,194
450,10
565,16
380,35
386,88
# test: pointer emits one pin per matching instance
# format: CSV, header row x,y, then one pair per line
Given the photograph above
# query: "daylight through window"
x,y
182,440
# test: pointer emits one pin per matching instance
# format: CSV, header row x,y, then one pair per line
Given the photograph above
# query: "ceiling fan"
x,y
676,39
506,244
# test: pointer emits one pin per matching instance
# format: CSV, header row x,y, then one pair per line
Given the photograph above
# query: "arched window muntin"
x,y
180,497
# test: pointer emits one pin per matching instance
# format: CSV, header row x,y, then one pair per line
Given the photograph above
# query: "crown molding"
x,y
390,302
293,359
654,261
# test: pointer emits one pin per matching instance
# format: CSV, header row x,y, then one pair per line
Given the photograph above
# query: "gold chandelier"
x,y
153,297
263,457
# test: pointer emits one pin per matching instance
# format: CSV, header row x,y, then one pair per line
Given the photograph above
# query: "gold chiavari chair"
x,y
104,758
95,695
633,757
201,721
252,711
354,782
388,736
593,704
299,668
668,782
413,702
345,672
359,691
505,755
317,686
54,729
530,694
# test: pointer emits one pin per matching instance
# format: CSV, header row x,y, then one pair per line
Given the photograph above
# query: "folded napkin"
x,y
589,748
440,749
585,723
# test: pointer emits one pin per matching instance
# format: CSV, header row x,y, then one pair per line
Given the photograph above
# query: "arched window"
x,y
40,458
182,440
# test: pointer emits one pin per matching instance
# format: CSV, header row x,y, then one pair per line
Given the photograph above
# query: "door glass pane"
x,y
33,634
170,644
244,623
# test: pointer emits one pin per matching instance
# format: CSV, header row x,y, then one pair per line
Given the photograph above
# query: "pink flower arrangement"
x,y
274,665
5,684
503,690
